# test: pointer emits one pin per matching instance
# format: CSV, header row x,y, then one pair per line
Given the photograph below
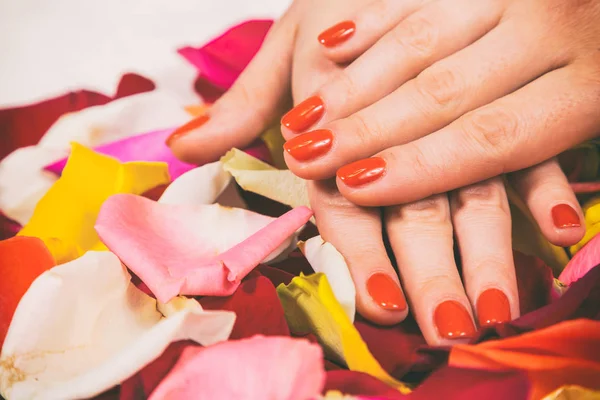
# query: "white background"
x,y
48,47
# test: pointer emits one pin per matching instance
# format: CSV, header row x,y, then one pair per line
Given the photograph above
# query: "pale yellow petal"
x,y
310,306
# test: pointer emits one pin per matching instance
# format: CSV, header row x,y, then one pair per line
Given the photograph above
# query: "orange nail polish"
x,y
304,115
385,292
362,172
492,308
309,145
187,128
337,34
453,321
565,216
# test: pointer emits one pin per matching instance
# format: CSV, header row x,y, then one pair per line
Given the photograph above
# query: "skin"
x,y
456,103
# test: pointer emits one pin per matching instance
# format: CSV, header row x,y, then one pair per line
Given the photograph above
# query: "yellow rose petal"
x,y
310,306
64,218
591,212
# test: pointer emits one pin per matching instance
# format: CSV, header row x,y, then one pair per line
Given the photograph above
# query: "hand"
x,y
446,93
421,234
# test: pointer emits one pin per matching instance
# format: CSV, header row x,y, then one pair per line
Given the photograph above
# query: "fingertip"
x,y
380,299
563,224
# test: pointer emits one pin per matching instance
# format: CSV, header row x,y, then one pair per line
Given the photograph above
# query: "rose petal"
x,y
566,353
222,60
23,180
22,259
258,177
256,306
64,218
573,392
201,185
83,328
256,368
310,306
24,126
196,250
325,258
151,147
591,211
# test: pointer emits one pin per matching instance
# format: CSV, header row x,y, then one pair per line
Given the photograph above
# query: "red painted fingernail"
x,y
565,216
385,292
304,115
186,128
362,172
453,321
309,145
492,308
337,34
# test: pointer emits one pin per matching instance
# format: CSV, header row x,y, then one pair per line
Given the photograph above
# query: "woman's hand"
x,y
444,93
422,233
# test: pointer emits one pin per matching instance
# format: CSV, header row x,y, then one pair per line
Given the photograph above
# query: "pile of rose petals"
x,y
128,274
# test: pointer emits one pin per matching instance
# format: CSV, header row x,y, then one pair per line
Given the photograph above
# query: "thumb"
x,y
249,107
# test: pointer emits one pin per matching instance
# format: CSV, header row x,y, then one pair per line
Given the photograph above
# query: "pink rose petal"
x,y
222,60
585,259
192,250
151,147
258,368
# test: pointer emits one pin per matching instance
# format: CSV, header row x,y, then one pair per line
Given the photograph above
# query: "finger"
x,y
348,39
252,103
379,297
482,225
430,34
421,236
462,82
548,195
544,118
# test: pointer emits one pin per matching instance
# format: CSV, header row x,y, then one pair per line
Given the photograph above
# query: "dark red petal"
x,y
257,309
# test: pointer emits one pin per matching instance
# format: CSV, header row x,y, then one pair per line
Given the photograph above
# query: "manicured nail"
x,y
565,216
453,321
362,172
492,308
309,145
187,128
385,292
304,115
337,34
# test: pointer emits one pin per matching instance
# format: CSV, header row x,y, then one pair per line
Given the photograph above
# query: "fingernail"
x,y
492,308
565,216
186,128
362,172
309,145
304,115
385,292
337,34
453,321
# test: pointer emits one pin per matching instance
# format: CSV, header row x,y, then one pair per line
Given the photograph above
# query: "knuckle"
x,y
365,131
435,281
439,86
432,210
488,195
493,129
417,34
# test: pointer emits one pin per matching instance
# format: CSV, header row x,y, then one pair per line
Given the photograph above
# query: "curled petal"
x,y
195,250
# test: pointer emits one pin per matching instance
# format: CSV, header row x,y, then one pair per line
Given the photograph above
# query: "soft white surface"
x,y
49,47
